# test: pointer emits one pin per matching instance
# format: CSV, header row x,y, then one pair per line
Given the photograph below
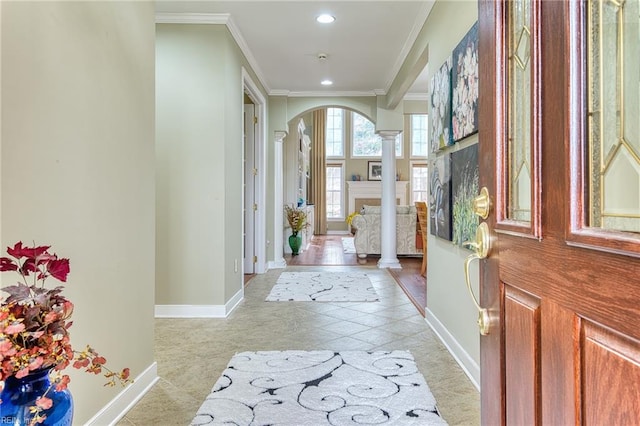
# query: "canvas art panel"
x,y
440,105
465,187
440,197
464,97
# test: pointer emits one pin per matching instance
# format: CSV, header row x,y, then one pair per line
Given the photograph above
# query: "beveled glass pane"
x,y
613,53
519,121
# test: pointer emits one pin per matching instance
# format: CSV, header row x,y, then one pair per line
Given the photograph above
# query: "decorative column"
x,y
278,216
388,246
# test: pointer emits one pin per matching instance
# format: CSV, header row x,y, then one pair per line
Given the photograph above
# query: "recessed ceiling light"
x,y
325,18
326,82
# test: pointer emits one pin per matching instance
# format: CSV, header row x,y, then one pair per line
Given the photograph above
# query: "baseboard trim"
x,y
234,301
200,311
118,407
190,311
468,364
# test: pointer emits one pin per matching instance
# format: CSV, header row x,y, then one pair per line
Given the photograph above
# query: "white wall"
x,y
78,168
449,308
199,161
448,302
190,164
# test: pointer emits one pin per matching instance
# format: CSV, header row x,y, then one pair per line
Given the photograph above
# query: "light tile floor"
x,y
191,353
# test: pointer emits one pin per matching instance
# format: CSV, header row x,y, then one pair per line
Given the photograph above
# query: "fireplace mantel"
x,y
373,190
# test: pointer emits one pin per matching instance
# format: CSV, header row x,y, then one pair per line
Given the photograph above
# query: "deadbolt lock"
x,y
482,203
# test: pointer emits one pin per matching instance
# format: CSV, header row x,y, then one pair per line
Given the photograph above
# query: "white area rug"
x,y
323,287
348,245
316,388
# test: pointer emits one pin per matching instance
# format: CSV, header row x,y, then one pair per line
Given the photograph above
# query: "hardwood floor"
x,y
327,250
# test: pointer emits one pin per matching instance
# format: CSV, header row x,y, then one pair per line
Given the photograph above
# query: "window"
x,y
418,182
364,141
335,132
418,135
399,145
335,191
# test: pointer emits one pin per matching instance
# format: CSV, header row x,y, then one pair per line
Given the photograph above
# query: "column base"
x,y
389,263
278,264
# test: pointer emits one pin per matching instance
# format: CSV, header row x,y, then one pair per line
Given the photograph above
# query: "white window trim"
x,y
344,135
412,164
341,163
402,146
410,133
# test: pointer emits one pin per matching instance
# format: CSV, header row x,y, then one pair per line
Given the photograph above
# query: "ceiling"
x,y
364,47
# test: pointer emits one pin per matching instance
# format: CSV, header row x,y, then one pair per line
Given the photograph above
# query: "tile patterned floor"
x,y
191,353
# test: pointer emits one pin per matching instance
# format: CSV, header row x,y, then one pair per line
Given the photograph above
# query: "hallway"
x,y
326,250
191,353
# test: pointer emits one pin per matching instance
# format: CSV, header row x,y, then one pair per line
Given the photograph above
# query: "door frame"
x,y
491,63
251,89
249,265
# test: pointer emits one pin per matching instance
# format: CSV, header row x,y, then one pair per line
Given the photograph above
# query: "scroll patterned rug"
x,y
348,244
323,287
317,388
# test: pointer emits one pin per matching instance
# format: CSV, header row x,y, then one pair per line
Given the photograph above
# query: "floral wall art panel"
x,y
464,98
440,197
464,182
440,103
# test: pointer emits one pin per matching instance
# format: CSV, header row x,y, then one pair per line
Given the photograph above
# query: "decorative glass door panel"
x,y
613,65
519,125
520,212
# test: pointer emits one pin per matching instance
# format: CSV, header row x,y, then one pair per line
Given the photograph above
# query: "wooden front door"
x,y
560,155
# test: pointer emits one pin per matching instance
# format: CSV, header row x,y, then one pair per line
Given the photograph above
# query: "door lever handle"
x,y
481,248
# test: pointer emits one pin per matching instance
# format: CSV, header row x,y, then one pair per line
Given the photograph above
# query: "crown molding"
x,y
421,19
192,18
416,97
279,92
322,94
244,47
217,19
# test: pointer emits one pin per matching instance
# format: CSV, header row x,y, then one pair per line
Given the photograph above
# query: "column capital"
x,y
388,134
279,135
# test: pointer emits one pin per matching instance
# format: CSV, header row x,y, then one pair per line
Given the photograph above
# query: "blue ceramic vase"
x,y
19,395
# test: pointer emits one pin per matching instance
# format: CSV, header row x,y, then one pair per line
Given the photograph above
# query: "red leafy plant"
x,y
35,322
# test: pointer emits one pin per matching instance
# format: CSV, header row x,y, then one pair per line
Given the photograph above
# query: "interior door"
x,y
249,187
560,155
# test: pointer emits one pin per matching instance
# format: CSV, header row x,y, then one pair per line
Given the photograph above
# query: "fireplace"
x,y
370,193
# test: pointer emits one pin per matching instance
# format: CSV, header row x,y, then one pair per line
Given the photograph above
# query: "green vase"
x,y
295,241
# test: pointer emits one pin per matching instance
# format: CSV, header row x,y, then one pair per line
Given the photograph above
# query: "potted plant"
x,y
35,344
297,218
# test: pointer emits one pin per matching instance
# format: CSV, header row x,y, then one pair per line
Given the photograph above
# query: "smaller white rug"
x,y
320,388
348,245
323,287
